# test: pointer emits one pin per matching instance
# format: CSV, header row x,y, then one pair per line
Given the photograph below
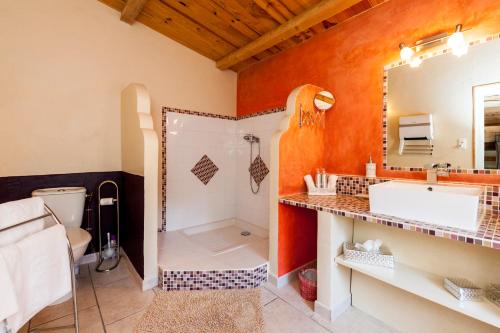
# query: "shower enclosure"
x,y
216,196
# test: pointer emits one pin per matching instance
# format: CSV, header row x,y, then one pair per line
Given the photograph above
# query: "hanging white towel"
x,y
39,268
8,303
13,212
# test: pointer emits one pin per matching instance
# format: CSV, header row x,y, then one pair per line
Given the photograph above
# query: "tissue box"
x,y
463,289
381,257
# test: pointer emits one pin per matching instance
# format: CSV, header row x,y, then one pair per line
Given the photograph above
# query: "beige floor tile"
x,y
280,317
104,278
266,296
122,298
90,322
85,299
125,325
354,321
290,293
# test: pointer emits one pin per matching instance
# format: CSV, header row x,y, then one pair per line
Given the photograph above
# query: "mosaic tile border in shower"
x,y
219,116
163,171
164,112
384,114
213,279
488,234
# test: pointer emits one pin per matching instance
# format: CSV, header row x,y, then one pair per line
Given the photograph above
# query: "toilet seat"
x,y
78,238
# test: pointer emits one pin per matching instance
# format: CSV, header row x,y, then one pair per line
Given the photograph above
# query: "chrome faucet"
x,y
437,169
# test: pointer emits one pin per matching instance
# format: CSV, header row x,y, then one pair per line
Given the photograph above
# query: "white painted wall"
x,y
140,157
227,195
64,64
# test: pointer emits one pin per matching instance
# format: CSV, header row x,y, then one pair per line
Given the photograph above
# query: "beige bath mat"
x,y
210,311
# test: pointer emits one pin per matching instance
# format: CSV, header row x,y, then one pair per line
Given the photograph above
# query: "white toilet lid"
x,y
78,237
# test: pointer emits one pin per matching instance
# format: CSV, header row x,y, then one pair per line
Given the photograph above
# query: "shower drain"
x,y
245,233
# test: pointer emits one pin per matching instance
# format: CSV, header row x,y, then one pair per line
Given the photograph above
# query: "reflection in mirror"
x,y
447,110
492,131
487,126
324,100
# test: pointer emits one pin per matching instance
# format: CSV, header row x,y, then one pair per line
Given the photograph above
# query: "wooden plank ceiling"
x,y
239,33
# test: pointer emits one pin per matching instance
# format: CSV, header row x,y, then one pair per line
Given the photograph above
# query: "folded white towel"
x,y
332,182
8,303
13,212
39,268
369,245
310,183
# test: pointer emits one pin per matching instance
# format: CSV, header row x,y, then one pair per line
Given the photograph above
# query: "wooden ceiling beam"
x,y
280,13
271,11
294,6
131,10
280,7
248,13
316,14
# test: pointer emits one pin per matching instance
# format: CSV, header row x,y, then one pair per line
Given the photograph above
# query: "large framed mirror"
x,y
447,110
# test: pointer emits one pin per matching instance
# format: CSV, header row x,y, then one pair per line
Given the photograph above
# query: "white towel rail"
x,y
50,213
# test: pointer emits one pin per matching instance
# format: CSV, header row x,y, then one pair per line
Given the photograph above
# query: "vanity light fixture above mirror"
x,y
455,42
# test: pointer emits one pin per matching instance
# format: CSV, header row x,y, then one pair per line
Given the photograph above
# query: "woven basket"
x,y
378,258
463,289
308,284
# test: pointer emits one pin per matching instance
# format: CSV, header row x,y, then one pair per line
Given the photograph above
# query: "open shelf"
x,y
428,286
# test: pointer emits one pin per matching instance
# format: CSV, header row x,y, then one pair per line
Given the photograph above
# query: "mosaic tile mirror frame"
x,y
385,125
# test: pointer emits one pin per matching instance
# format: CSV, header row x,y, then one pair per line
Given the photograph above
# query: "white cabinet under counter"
x,y
410,298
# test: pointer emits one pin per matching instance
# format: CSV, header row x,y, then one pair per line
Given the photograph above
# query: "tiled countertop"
x,y
355,207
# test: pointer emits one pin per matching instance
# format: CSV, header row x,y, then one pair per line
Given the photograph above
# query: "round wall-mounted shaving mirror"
x,y
324,100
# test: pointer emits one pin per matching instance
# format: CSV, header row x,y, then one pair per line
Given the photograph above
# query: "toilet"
x,y
67,203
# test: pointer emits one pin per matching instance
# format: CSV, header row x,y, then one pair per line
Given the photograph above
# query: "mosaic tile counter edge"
x,y
488,234
349,187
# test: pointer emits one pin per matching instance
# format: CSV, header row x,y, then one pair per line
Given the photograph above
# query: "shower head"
x,y
251,138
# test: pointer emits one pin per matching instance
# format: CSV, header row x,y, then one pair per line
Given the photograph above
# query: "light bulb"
x,y
457,44
415,62
406,53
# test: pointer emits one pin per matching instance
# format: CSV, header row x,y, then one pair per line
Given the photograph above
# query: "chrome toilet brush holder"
x,y
110,250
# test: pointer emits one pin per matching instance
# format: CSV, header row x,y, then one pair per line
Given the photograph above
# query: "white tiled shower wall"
x,y
227,195
254,208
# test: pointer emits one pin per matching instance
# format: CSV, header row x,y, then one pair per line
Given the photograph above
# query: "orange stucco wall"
x,y
348,60
301,152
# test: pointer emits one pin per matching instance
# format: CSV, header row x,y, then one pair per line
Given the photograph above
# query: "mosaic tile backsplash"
x,y
358,185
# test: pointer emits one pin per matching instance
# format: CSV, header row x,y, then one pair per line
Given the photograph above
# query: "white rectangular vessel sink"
x,y
443,205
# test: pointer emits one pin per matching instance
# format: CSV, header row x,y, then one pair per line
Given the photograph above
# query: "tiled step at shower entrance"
x,y
222,255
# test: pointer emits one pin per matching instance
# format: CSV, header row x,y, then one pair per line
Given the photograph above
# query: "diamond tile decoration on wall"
x,y
258,170
205,169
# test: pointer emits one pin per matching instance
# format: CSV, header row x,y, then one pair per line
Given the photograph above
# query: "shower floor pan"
x,y
213,256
